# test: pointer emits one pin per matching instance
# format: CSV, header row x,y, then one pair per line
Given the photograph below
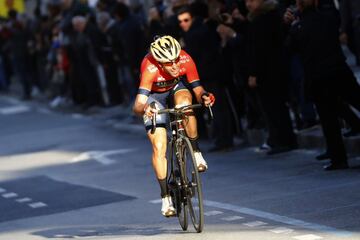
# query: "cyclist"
x,y
163,74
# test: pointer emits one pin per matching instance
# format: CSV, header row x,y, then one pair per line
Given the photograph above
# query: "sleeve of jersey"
x,y
192,73
146,80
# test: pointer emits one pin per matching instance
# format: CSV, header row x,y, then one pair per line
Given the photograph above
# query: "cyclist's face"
x,y
173,69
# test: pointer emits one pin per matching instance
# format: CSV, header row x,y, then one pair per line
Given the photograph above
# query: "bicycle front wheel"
x,y
193,189
177,190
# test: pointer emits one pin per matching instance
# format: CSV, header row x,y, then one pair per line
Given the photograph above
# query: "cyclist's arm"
x,y
192,77
144,90
199,91
140,104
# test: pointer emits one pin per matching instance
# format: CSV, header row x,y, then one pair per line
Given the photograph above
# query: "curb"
x,y
307,139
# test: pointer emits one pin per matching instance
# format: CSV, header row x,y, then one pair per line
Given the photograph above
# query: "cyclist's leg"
x,y
183,97
158,141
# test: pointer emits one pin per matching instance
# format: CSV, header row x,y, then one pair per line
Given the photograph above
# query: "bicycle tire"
x,y
194,193
176,185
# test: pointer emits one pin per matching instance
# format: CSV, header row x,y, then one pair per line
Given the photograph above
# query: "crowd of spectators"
x,y
266,61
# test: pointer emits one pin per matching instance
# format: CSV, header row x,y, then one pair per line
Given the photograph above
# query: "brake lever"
x,y
211,113
209,107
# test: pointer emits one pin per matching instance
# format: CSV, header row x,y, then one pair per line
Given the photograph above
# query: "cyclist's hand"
x,y
151,110
208,99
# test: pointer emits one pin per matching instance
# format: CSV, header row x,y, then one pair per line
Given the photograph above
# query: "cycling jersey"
x,y
155,79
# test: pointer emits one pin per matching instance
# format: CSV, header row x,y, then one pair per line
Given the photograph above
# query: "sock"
x,y
194,144
163,187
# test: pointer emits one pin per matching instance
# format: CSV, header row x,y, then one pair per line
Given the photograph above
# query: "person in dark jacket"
x,y
20,37
84,60
266,70
328,78
132,46
203,43
350,26
109,56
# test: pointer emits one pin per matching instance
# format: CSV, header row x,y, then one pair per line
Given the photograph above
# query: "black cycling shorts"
x,y
162,99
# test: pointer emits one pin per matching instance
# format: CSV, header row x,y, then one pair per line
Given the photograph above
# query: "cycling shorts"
x,y
162,100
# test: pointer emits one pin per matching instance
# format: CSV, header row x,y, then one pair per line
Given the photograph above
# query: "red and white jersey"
x,y
154,79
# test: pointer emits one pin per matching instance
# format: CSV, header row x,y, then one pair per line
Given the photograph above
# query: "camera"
x,y
224,18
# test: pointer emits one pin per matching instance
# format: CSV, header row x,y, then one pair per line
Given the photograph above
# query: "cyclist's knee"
x,y
183,102
159,147
183,99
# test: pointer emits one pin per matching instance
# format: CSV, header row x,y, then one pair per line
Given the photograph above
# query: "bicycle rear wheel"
x,y
194,190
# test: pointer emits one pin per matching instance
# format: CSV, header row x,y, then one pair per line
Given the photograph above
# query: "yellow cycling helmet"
x,y
165,49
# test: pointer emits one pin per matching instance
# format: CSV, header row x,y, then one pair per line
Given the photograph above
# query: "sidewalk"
x,y
313,138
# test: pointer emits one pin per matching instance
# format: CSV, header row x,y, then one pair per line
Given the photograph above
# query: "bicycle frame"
x,y
181,183
178,133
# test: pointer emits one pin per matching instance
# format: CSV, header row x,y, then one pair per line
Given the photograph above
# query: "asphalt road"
x,y
67,176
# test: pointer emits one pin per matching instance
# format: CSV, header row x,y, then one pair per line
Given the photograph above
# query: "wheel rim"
x,y
194,193
179,203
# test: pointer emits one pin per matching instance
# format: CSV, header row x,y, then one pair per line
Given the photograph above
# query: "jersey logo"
x,y
184,59
160,79
152,68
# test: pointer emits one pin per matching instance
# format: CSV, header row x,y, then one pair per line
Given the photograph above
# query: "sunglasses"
x,y
184,20
169,64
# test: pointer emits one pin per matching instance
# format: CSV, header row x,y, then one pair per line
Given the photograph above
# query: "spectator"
x,y
267,76
203,43
109,57
84,81
132,47
20,38
156,24
233,30
327,76
350,26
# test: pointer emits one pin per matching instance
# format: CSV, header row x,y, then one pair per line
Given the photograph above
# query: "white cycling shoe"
x,y
167,208
200,162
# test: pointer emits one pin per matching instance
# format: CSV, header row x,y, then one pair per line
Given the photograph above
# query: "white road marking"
x,y
78,116
213,213
11,100
2,190
282,230
307,237
23,200
104,160
307,151
14,109
9,195
231,218
101,156
37,205
278,218
255,224
44,110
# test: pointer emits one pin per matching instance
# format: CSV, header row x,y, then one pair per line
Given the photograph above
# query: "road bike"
x,y
183,178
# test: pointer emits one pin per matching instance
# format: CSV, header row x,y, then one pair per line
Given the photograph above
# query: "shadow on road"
x,y
102,231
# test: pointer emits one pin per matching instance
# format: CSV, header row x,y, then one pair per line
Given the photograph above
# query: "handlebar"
x,y
176,111
179,110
